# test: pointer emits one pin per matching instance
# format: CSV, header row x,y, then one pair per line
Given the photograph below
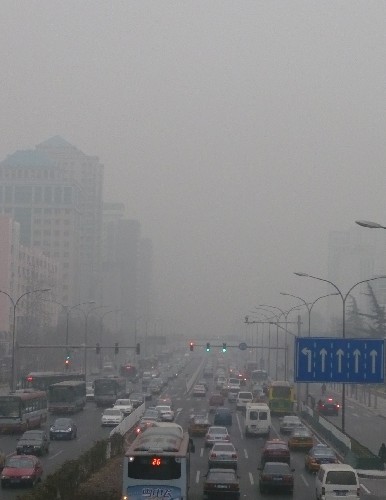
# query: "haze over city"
x,y
239,134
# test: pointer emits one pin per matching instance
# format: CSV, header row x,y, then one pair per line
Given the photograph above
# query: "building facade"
x,y
55,193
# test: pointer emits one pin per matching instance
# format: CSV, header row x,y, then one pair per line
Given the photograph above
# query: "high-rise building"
x,y
23,269
126,270
55,193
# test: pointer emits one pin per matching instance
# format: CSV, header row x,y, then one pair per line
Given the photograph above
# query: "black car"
x,y
33,443
276,476
222,416
63,428
222,483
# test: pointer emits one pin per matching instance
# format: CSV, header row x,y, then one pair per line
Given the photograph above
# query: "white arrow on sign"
x,y
323,354
308,353
373,355
340,354
356,355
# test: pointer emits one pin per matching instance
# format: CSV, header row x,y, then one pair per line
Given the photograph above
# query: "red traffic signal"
x,y
191,346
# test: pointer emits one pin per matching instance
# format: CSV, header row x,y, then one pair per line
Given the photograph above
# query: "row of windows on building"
x,y
59,195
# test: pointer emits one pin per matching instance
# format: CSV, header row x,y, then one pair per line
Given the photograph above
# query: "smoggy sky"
x,y
239,133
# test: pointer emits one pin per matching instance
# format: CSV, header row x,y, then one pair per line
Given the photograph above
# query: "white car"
x,y
166,413
112,416
125,405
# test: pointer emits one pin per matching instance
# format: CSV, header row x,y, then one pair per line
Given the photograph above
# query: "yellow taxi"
x,y
198,425
300,439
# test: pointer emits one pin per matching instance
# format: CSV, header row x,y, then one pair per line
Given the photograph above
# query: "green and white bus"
x,y
157,465
67,397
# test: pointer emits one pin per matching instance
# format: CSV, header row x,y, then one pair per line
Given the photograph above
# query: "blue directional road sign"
x,y
322,359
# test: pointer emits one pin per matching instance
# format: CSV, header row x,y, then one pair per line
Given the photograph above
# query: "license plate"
x,y
222,486
14,481
278,479
340,493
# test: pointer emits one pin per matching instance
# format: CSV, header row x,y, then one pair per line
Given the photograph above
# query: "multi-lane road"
x,y
249,449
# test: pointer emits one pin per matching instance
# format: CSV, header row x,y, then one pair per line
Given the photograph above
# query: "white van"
x,y
257,419
337,481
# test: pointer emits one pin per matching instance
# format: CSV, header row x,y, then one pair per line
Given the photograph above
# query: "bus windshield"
x,y
281,392
9,407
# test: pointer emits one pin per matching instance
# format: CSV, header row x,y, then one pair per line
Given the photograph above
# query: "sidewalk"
x,y
373,401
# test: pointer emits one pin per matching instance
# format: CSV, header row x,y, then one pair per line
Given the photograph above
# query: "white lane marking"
x,y
364,488
202,452
251,478
355,415
245,453
198,476
239,426
304,480
56,454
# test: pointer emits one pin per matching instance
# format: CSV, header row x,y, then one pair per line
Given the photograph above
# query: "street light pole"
x,y
69,309
14,305
344,298
309,306
86,315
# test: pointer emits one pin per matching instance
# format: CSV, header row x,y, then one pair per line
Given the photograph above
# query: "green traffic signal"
x,y
224,347
208,347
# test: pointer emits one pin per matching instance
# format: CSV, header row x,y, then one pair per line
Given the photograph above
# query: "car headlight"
x,y
52,428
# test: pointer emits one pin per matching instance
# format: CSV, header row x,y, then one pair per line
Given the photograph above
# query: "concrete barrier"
x,y
193,378
130,421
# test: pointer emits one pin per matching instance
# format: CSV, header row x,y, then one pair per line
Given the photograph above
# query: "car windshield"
x,y
276,468
19,463
122,402
323,452
62,422
112,412
218,430
291,420
222,448
221,476
31,436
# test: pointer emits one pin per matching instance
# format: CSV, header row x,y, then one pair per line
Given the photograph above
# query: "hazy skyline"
x,y
238,133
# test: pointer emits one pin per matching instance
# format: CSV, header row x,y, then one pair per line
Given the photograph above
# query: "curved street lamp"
x,y
309,305
369,224
86,315
344,298
14,304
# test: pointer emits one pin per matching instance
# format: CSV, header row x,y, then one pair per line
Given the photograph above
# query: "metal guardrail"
x,y
129,421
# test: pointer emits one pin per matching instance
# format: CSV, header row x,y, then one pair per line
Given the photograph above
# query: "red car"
x,y
275,450
327,407
21,470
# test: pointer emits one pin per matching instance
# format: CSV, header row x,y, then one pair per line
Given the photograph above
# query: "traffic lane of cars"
x,y
249,451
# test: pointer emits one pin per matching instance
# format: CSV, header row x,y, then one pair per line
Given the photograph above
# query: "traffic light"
x,y
116,348
191,346
98,348
138,348
208,347
67,362
224,347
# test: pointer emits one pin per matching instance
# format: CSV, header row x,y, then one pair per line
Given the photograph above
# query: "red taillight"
x,y
213,455
29,379
234,455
